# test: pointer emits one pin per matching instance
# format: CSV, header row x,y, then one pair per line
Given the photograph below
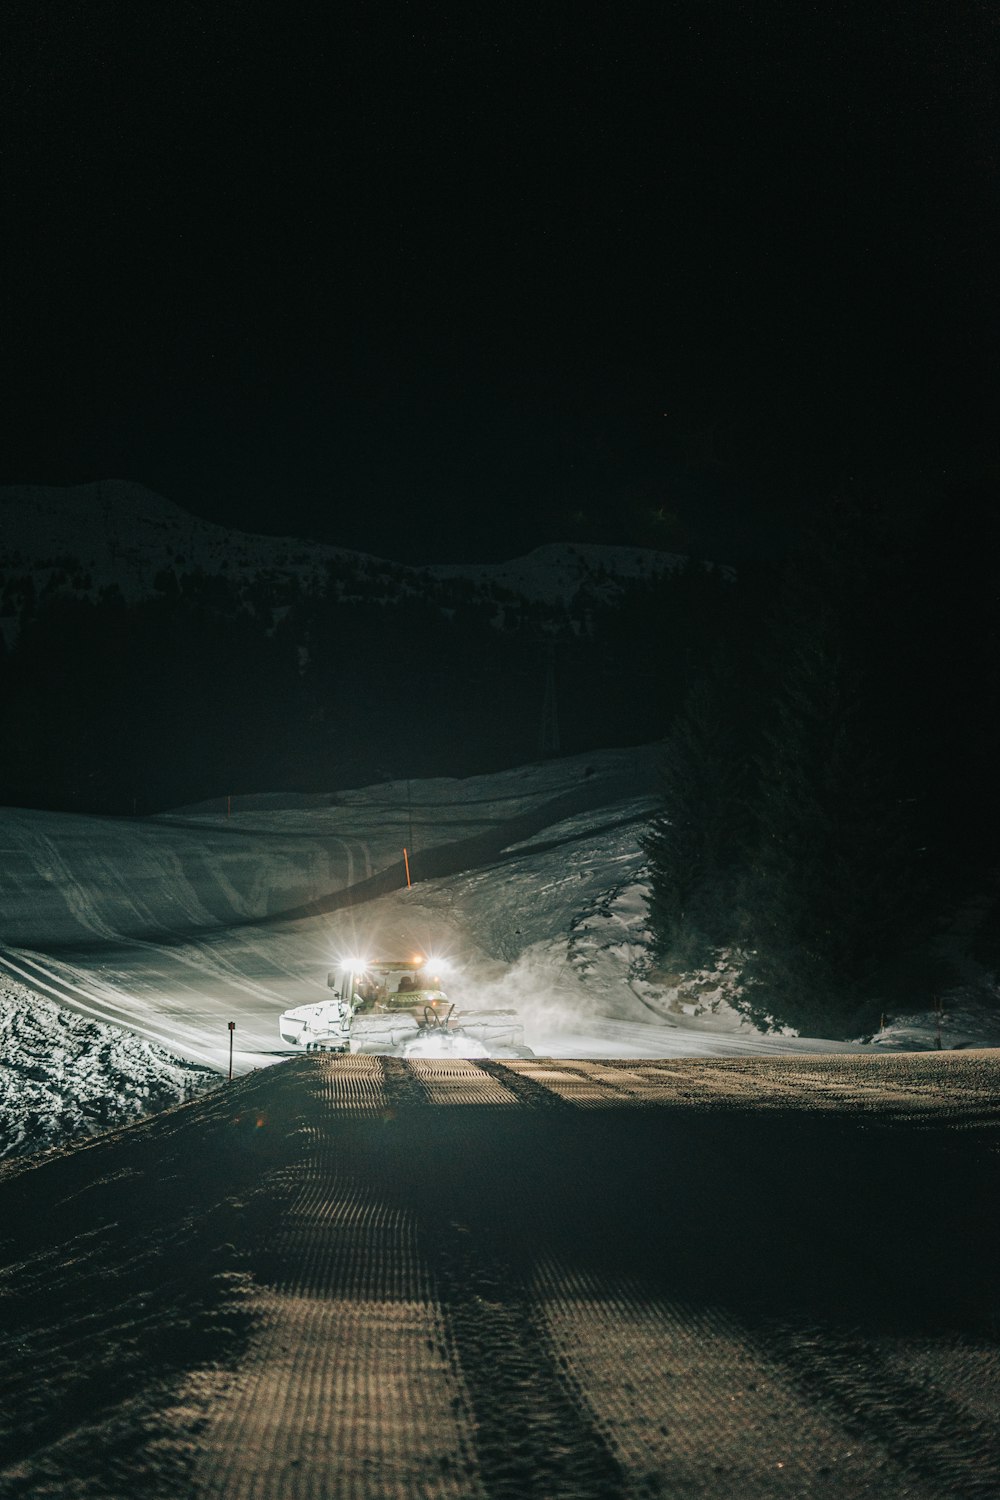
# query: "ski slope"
x,y
173,926
528,880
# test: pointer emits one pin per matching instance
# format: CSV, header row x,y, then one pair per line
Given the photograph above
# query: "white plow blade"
x,y
494,1028
378,1033
313,1025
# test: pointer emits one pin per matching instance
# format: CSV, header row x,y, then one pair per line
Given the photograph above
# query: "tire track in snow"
x,y
83,1002
401,1353
188,960
349,1389
572,1085
191,974
472,1296
534,1437
928,1432
527,1086
690,1406
78,900
201,917
456,1080
210,963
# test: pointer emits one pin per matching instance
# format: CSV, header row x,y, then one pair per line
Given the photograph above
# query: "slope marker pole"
x,y
406,862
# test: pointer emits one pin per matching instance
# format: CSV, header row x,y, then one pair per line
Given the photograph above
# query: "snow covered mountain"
x,y
115,531
81,538
117,606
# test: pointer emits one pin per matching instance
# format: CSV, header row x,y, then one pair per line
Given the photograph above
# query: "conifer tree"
x,y
695,842
829,897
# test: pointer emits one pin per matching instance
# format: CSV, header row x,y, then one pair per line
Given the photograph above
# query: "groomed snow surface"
x,y
440,1279
126,946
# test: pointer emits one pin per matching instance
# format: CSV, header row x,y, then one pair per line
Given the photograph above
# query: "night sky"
x,y
444,282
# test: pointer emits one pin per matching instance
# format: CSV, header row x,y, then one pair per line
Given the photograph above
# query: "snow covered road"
x,y
508,1281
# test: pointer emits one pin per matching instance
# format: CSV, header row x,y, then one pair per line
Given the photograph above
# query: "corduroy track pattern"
x,y
531,1280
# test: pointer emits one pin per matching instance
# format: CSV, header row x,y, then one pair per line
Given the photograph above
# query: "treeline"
x,y
830,786
211,687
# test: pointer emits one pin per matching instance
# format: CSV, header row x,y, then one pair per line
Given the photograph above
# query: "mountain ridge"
x,y
81,538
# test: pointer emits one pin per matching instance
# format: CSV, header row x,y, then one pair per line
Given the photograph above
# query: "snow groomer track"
x,y
541,1279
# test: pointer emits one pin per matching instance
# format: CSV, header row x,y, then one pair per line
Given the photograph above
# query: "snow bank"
x,y
967,1021
63,1076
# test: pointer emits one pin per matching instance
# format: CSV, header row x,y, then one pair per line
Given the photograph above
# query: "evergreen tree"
x,y
694,845
830,896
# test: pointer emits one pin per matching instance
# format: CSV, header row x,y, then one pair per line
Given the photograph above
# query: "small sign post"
x,y
232,1028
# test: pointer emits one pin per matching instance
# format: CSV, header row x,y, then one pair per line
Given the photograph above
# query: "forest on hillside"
x,y
831,791
208,688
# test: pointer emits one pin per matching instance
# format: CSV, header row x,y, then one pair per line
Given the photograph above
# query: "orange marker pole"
x,y
406,862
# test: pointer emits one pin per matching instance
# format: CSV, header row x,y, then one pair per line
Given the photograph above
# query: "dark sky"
x,y
446,281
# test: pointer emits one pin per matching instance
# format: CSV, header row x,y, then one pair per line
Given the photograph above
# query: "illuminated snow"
x,y
171,927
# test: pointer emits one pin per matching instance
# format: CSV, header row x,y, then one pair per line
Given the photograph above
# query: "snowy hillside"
x,y
160,931
119,532
233,662
84,537
556,573
63,1076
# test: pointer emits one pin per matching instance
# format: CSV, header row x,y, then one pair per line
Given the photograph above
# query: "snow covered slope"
x,y
531,881
63,1076
175,925
556,573
120,532
83,537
